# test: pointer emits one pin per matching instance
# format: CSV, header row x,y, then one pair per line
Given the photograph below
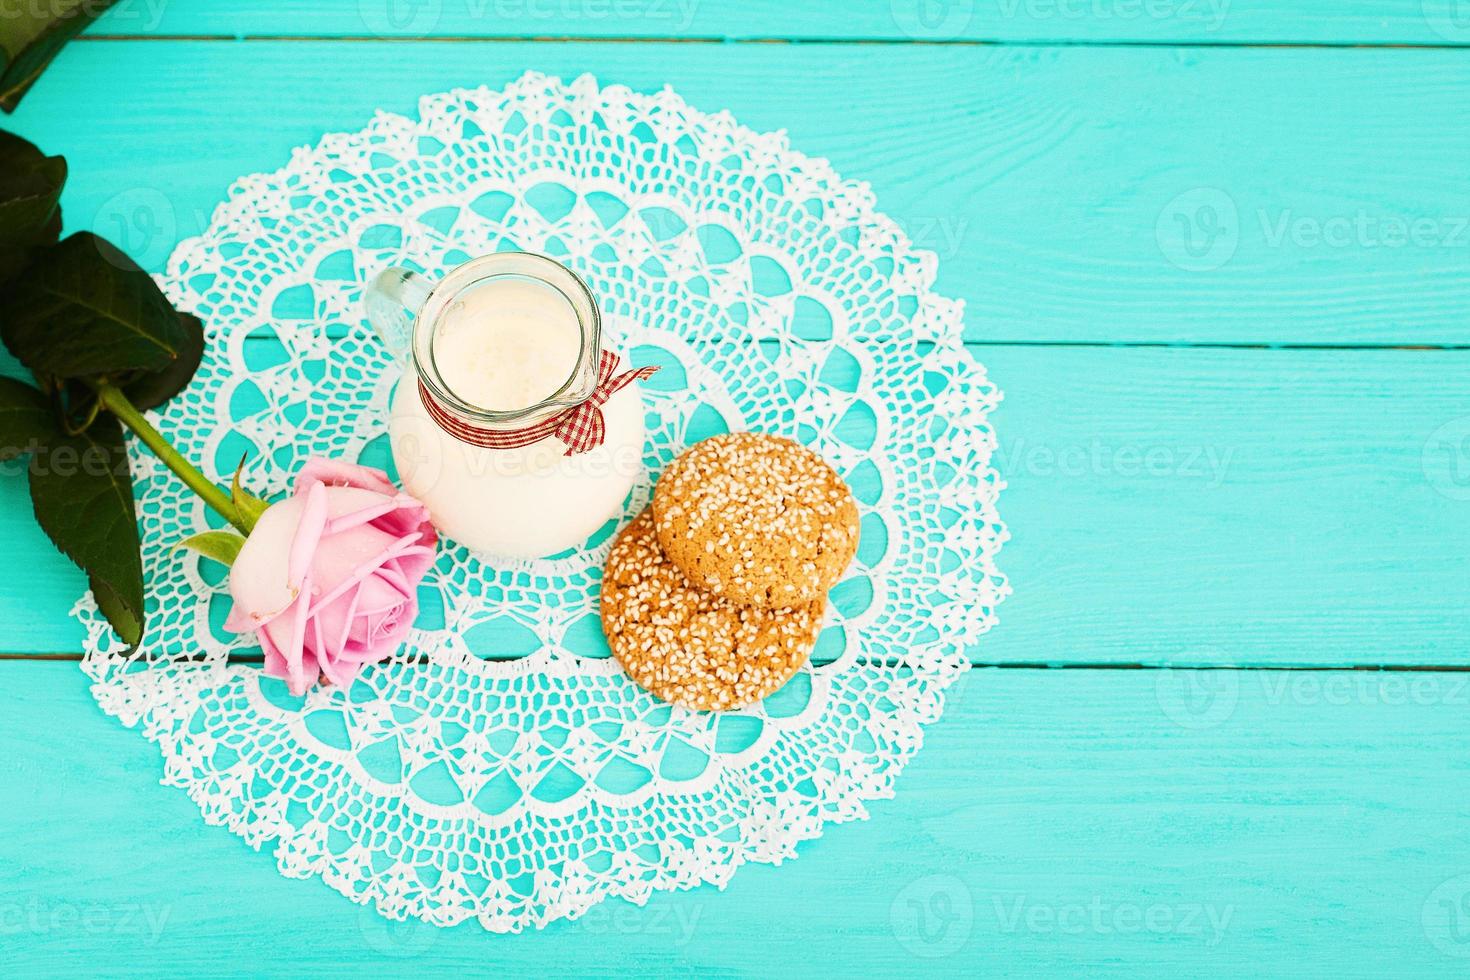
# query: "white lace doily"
x,y
501,767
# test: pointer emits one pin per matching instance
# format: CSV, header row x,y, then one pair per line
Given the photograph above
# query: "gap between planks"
x,y
794,41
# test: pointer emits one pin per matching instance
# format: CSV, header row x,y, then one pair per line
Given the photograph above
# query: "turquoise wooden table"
x,y
1218,257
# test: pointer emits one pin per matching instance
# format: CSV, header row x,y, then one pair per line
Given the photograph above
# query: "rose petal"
x,y
341,671
295,653
344,637
334,618
329,577
408,517
308,535
366,567
336,473
413,564
366,515
259,580
275,664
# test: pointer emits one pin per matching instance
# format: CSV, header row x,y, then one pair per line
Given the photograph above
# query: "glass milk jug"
x,y
512,423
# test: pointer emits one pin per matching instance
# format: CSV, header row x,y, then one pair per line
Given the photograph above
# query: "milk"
x,y
508,344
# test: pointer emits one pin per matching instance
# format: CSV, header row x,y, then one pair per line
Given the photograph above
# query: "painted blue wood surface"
x,y
1057,823
1062,209
1300,506
1416,22
1167,505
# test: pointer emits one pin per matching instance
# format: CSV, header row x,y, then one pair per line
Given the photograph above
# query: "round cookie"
x,y
757,518
690,646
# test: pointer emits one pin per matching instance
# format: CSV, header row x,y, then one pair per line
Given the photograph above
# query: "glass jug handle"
x,y
393,300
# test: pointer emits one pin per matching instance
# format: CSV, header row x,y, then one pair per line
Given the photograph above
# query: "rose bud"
x,y
328,578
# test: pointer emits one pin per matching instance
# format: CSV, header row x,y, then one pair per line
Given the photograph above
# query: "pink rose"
x,y
328,578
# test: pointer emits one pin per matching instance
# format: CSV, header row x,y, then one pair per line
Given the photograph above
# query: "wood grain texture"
x,y
1092,21
1240,507
1057,823
1167,506
1073,194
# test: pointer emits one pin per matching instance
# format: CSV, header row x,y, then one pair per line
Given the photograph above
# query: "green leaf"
x,y
31,34
82,494
123,619
26,422
222,546
85,309
247,505
15,258
30,189
152,390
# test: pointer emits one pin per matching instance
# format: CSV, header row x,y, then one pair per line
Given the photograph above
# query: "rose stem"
x,y
117,403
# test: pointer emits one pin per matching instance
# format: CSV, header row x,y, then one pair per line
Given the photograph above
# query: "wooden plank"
x,y
1091,21
1074,194
1228,506
1057,823
1167,506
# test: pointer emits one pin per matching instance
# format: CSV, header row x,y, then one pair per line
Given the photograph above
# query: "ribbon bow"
x,y
580,427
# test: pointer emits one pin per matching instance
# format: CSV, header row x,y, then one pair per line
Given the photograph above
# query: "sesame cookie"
x,y
689,646
759,519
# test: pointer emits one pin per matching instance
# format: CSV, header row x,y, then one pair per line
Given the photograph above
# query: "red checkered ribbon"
x,y
580,427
